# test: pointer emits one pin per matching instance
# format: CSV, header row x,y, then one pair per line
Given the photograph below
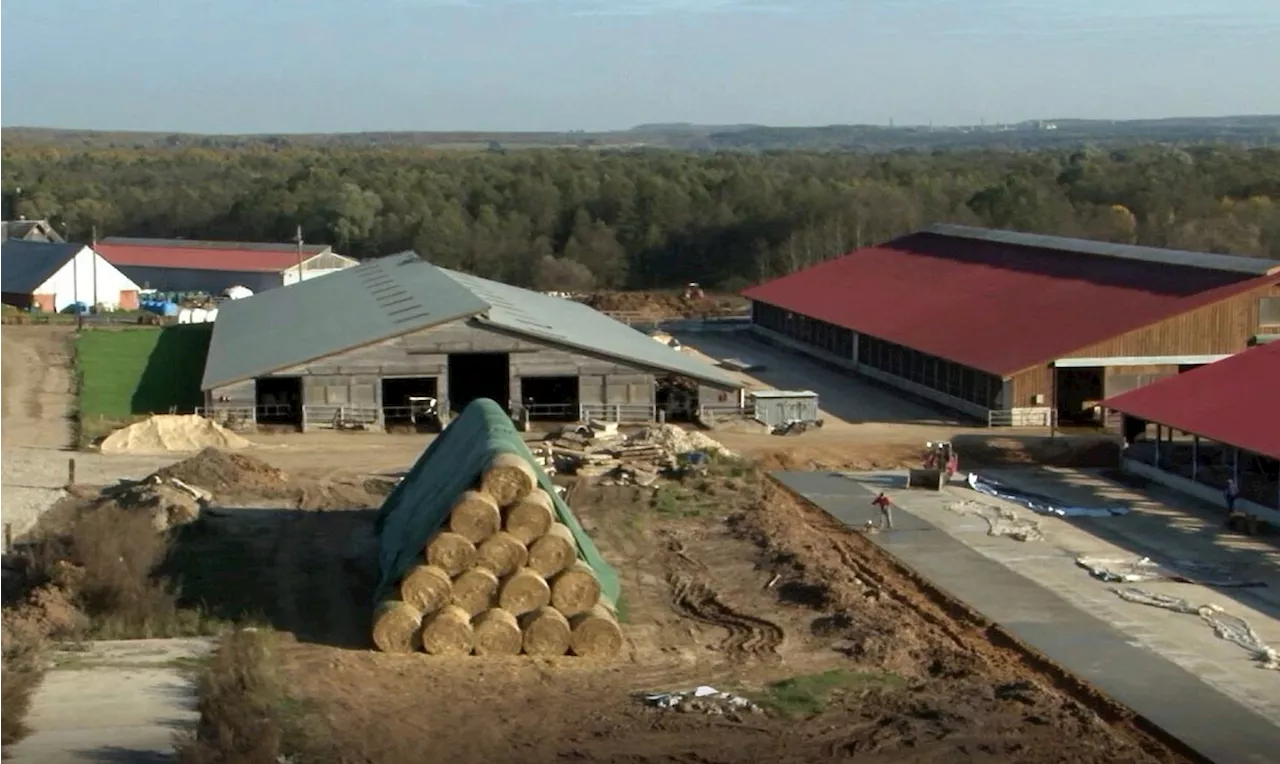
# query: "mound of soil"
x,y
665,304
169,505
227,474
164,433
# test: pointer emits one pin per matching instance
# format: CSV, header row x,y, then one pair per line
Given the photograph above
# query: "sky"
x,y
288,66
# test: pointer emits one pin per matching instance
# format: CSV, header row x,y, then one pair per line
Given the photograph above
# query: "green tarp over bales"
x,y
420,503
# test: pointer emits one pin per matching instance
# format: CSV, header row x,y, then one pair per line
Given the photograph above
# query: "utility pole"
x,y
93,247
297,240
75,281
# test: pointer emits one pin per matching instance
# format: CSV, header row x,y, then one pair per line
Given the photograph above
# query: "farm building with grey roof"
x,y
361,346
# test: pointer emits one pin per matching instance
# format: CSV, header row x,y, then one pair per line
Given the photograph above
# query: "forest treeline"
x,y
569,219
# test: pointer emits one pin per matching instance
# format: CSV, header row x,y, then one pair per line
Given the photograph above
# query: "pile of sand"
x,y
169,432
224,473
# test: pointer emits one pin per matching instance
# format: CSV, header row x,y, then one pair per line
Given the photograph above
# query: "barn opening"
x,y
278,401
677,397
550,399
1079,391
479,375
410,402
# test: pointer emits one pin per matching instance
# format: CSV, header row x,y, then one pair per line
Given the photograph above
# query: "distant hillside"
x,y
1038,134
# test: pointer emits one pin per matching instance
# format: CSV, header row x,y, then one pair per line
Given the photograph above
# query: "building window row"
x,y
939,374
818,334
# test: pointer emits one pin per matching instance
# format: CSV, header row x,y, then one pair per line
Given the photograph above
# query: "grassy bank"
x,y
132,372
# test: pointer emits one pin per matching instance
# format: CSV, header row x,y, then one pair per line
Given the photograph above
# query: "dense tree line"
x,y
569,219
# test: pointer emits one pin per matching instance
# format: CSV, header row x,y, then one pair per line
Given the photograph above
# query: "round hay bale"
x,y
451,551
508,478
497,633
396,626
475,591
576,590
475,516
554,551
427,588
523,592
448,632
595,634
530,517
502,553
546,632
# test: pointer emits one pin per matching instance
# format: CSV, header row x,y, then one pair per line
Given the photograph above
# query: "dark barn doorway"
x,y
479,375
677,397
550,399
1079,391
411,402
278,401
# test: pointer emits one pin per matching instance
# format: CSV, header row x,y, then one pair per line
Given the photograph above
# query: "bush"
x,y
246,715
19,677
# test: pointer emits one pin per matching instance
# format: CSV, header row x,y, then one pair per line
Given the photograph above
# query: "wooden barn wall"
x,y
1029,383
1221,328
354,377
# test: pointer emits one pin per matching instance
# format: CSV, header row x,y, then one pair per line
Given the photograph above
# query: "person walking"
x,y
885,504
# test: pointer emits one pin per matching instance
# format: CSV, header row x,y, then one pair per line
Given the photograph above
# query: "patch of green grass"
x,y
678,501
809,694
125,373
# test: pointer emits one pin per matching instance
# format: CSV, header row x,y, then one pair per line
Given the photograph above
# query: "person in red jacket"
x,y
885,504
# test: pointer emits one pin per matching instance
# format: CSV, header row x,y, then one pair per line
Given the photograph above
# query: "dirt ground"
x,y
666,304
727,581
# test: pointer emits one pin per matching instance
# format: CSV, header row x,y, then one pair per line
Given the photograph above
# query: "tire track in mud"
x,y
749,636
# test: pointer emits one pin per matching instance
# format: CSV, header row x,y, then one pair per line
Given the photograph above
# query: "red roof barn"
x,y
181,265
1017,323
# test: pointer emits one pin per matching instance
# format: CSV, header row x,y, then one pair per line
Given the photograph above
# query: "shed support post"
x,y
1159,437
1235,464
1195,456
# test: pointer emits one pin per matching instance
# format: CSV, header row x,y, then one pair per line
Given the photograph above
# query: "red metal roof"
x,y
217,256
1234,401
994,306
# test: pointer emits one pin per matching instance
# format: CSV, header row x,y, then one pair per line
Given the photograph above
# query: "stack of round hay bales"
x,y
502,577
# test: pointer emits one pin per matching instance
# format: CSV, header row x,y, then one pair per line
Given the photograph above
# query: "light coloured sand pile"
x,y
164,433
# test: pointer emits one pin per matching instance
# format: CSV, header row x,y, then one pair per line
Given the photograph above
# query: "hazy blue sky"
x,y
339,65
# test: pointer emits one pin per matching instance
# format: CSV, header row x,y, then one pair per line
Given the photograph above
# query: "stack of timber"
x,y
598,450
481,556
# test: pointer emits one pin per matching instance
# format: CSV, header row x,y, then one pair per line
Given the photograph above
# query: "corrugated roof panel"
x,y
575,325
1234,401
1253,265
28,264
991,305
320,317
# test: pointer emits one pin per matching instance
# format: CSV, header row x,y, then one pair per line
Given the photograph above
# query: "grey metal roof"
x,y
1234,263
385,298
25,265
574,325
376,300
31,230
126,241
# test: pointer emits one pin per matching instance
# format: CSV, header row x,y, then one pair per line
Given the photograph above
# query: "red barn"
x,y
1016,327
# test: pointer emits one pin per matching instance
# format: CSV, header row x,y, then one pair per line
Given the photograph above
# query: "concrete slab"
x,y
119,701
1069,620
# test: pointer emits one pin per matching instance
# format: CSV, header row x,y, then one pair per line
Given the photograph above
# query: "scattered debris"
x,y
600,450
171,502
1140,569
1001,521
1229,627
703,699
164,433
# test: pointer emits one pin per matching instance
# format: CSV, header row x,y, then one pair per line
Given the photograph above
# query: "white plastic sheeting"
x,y
1039,504
1139,569
197,315
1001,521
1229,627
238,292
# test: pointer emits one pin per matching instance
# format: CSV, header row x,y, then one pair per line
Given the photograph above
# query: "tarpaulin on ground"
x,y
1043,505
1139,569
419,505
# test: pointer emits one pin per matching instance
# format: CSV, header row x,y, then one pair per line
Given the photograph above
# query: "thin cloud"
x,y
629,7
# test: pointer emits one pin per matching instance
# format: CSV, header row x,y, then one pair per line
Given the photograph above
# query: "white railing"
x,y
617,412
341,417
1025,417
